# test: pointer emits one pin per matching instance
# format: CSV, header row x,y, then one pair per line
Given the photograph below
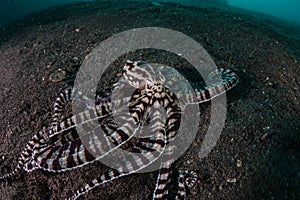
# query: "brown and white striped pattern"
x,y
60,147
186,179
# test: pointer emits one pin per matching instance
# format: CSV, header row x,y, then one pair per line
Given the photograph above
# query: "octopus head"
x,y
138,73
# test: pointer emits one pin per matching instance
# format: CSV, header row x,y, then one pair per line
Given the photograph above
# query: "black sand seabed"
x,y
258,153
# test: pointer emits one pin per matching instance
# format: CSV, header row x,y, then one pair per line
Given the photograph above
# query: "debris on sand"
x,y
57,76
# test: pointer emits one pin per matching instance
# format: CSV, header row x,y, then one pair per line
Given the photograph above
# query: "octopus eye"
x,y
130,67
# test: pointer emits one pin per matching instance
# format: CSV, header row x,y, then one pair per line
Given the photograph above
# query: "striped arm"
x,y
164,176
191,178
38,139
75,154
181,191
103,109
66,96
139,161
89,116
134,162
173,123
216,87
218,82
59,105
185,179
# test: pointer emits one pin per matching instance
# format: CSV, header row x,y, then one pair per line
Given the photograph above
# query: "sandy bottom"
x,y
258,153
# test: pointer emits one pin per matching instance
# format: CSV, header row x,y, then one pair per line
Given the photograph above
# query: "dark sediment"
x,y
257,155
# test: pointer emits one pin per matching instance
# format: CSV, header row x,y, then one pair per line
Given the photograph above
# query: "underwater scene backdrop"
x,y
255,47
286,9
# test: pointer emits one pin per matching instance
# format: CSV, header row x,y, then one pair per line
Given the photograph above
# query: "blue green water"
x,y
285,9
10,10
